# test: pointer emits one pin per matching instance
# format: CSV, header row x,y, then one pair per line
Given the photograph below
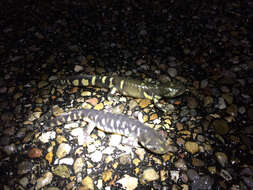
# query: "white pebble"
x,y
45,137
45,180
128,182
96,156
67,161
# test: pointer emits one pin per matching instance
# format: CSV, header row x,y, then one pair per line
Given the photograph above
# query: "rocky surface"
x,y
205,44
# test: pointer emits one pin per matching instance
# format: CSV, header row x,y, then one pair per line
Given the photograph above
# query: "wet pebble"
x,y
220,126
232,110
172,72
35,153
226,175
78,165
107,175
42,84
148,175
174,175
96,156
45,137
181,164
88,183
10,149
192,102
125,159
128,182
44,181
24,167
221,103
192,147
63,150
62,171
66,161
24,181
78,68
222,158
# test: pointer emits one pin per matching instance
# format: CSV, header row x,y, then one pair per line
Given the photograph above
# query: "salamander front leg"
x,y
167,108
112,96
85,138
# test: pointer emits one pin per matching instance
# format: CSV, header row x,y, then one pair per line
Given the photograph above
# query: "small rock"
x,y
172,72
63,150
24,167
191,147
232,110
96,156
197,162
67,161
221,103
181,164
86,93
128,182
144,103
45,137
125,159
78,165
24,181
87,182
42,84
208,100
45,180
220,126
99,106
174,175
148,175
192,102
62,171
226,175
107,175
35,153
78,68
228,98
10,149
222,158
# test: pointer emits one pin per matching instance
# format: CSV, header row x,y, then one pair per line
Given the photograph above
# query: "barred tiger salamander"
x,y
130,87
116,123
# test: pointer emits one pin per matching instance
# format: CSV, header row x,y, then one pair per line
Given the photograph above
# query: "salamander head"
x,y
154,142
171,89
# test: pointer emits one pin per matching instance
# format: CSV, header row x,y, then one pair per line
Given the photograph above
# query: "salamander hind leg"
x,y
85,138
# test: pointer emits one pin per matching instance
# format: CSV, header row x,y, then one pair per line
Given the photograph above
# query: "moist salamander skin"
x,y
115,123
130,87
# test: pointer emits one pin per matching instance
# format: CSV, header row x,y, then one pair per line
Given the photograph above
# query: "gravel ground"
x,y
207,45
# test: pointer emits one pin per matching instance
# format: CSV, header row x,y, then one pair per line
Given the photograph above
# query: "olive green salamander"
x,y
116,123
130,87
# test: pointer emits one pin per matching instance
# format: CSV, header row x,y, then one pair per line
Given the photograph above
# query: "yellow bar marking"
x,y
110,84
93,80
85,82
122,84
103,79
147,96
75,82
